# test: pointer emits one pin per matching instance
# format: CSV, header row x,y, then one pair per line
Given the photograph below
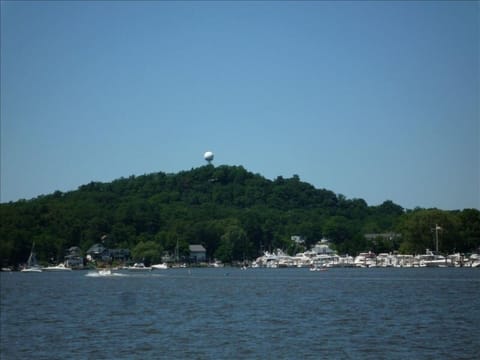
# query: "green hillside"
x,y
234,213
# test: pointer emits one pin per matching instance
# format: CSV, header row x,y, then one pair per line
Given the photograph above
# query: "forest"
x,y
233,213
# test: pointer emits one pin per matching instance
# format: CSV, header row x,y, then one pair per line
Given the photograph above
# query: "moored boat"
x,y
59,267
32,265
139,267
431,259
475,260
161,266
365,260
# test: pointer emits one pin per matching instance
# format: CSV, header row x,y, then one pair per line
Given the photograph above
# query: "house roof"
x,y
96,249
196,248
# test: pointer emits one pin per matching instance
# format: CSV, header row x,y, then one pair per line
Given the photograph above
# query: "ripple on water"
x,y
291,314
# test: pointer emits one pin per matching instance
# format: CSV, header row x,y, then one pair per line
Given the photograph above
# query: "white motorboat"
x,y
33,269
139,267
475,260
162,266
365,260
216,264
105,272
431,259
59,267
318,268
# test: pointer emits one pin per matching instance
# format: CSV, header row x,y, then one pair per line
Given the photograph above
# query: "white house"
x,y
323,248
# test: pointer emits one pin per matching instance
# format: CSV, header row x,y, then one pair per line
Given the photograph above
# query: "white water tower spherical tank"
x,y
208,156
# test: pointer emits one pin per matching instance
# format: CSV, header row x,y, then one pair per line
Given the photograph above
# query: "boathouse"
x,y
197,253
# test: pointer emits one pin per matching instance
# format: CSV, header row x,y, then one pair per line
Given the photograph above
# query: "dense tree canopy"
x,y
233,213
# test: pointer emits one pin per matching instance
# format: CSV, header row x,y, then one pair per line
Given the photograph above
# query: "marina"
x,y
325,258
329,259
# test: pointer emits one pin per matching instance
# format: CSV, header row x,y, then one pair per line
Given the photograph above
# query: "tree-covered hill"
x,y
234,213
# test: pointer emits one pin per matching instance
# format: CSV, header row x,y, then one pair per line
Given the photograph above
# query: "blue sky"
x,y
373,100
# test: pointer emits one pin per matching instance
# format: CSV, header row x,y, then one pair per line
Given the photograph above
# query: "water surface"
x,y
252,314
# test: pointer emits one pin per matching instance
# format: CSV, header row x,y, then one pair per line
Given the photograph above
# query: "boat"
x,y
139,267
216,264
432,259
107,272
475,260
318,268
59,267
104,272
162,266
32,264
364,260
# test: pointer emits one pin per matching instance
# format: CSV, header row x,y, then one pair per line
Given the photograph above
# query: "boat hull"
x,y
31,270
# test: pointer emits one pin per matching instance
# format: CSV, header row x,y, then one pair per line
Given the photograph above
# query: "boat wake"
x,y
105,274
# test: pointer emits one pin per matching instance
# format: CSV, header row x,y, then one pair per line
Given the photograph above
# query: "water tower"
x,y
208,156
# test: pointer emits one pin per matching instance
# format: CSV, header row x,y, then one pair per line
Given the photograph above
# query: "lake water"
x,y
252,314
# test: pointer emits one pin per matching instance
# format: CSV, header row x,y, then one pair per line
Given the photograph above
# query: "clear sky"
x,y
374,100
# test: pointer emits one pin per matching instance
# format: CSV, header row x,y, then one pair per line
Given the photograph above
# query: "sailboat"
x,y
32,265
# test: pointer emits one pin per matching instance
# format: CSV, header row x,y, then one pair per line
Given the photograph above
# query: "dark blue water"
x,y
253,314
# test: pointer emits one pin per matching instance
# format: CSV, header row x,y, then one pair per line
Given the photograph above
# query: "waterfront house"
x,y
74,258
119,254
197,253
100,252
323,248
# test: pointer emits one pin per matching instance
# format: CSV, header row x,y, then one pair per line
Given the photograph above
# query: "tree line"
x,y
233,213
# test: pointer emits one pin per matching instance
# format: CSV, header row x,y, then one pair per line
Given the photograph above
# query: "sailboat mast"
x,y
176,252
436,236
31,257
